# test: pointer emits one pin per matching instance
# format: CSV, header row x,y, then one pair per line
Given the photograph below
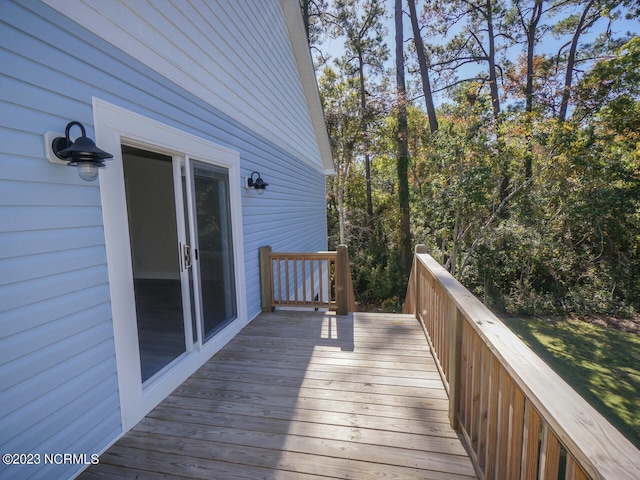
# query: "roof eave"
x,y
293,18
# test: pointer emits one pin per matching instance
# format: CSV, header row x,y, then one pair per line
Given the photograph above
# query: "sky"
x,y
335,47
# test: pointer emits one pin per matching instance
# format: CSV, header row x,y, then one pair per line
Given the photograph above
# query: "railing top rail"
x,y
304,255
603,452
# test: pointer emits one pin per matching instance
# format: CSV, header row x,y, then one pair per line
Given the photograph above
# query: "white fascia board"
x,y
295,25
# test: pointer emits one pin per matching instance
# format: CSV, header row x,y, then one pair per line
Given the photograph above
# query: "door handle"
x,y
186,256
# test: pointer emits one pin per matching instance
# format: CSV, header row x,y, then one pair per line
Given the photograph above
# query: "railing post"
x,y
419,248
341,273
265,279
454,375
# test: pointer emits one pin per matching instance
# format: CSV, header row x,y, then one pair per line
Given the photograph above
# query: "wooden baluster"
x,y
321,280
485,368
464,376
516,428
286,282
455,365
573,471
475,392
312,272
492,418
549,455
295,280
279,280
504,399
304,281
531,435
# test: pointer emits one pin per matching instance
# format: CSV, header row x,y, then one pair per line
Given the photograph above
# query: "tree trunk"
x,y
403,146
424,69
365,137
341,214
531,28
493,78
454,251
536,14
342,180
571,61
304,5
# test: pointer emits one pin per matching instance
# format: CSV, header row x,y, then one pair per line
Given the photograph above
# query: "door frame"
x,y
115,126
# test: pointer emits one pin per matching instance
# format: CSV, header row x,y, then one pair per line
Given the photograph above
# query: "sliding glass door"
x,y
182,254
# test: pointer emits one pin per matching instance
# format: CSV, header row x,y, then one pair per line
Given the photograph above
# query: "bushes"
x,y
533,215
550,268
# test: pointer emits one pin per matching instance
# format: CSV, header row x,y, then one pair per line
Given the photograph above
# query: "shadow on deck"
x,y
302,395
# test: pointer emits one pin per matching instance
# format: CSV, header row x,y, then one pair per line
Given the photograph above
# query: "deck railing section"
x,y
519,418
306,279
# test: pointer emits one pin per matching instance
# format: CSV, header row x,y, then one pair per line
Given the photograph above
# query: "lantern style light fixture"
x,y
82,153
258,183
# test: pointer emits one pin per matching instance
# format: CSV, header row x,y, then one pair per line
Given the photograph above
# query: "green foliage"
x,y
533,214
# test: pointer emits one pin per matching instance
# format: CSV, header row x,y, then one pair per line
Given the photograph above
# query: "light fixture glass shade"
x,y
82,152
87,170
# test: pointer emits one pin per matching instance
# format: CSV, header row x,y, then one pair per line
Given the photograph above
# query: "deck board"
x,y
302,395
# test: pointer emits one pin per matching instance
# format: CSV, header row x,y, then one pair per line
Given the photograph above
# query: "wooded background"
x,y
504,135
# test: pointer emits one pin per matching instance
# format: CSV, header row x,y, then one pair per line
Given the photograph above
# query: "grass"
x,y
602,364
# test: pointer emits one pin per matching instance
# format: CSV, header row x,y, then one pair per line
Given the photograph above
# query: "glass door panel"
x,y
214,246
156,258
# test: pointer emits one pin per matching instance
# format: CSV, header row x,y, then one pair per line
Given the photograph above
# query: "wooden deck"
x,y
302,395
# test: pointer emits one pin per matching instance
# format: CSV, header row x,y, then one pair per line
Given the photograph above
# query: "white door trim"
x,y
114,126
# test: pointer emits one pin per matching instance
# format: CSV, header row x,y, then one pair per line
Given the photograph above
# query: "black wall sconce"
x,y
258,183
82,153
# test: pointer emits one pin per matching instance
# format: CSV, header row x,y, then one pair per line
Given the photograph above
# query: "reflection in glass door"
x,y
214,247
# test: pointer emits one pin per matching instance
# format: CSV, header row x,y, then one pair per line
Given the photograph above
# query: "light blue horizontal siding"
x,y
48,307
50,387
99,402
20,269
15,193
22,294
27,355
93,413
14,244
31,217
56,337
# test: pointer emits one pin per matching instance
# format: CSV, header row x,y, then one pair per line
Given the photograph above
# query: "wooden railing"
x,y
519,418
313,280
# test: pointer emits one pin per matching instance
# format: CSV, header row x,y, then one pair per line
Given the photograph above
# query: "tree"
x,y
340,103
360,21
403,145
314,14
582,23
612,83
424,67
578,25
477,24
532,214
529,17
